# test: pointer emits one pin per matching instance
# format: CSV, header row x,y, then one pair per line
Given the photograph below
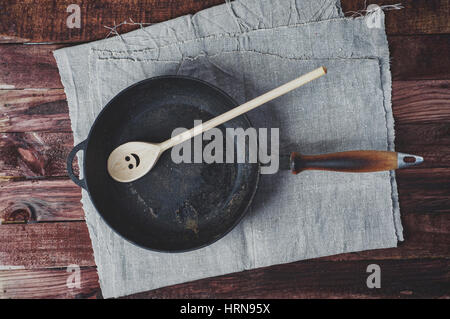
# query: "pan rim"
x,y
86,148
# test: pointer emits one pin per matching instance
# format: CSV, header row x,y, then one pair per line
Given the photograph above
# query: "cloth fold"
x,y
247,48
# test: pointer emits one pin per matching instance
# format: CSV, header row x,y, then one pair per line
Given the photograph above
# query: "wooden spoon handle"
x,y
241,109
353,161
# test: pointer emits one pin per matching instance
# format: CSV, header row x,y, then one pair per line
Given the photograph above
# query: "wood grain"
x,y
43,154
40,200
29,191
424,191
34,110
28,66
423,135
420,191
320,279
46,110
420,57
421,102
417,16
35,154
45,245
45,21
413,58
47,283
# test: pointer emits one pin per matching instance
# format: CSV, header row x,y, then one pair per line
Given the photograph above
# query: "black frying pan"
x,y
180,207
175,207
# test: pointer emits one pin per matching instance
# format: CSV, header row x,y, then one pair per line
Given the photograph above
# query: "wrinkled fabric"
x,y
247,48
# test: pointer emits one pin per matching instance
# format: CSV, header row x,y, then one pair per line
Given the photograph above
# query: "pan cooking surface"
x,y
175,207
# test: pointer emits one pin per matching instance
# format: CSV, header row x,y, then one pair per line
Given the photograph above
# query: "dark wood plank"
x,y
34,110
46,110
28,66
34,154
413,58
45,20
424,190
420,191
425,237
421,101
424,206
47,283
43,154
423,135
320,279
417,16
45,245
420,57
40,200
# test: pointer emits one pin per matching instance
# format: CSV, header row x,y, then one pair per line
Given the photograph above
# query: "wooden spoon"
x,y
133,160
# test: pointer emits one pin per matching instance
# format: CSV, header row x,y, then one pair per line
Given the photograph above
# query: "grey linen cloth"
x,y
247,48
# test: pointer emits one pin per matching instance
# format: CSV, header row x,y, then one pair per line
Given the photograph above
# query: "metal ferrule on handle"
x,y
406,160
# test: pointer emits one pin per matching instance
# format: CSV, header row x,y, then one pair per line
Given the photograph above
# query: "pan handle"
x,y
353,161
73,177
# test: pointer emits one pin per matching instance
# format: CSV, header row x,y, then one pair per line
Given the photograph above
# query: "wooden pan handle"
x,y
353,161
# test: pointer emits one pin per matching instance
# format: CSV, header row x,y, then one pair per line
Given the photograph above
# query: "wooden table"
x,y
43,228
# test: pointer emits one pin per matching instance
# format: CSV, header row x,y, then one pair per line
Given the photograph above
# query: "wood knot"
x,y
16,213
